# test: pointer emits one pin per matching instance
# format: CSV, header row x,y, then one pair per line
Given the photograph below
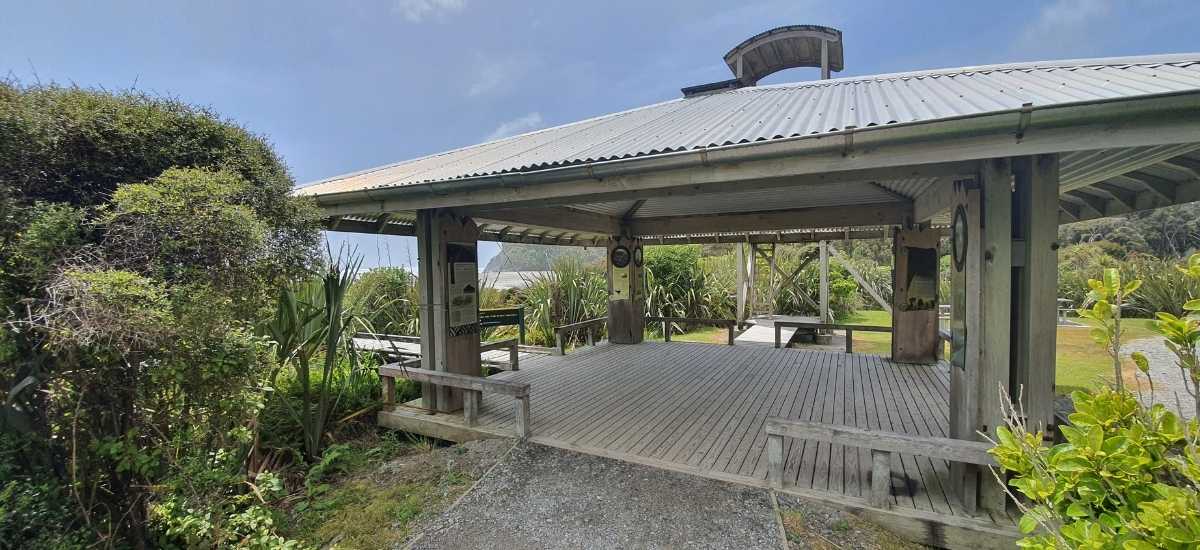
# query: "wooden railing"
x,y
504,317
512,345
560,333
729,324
473,389
829,326
882,444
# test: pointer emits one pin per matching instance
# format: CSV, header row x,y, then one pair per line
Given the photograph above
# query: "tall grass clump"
x,y
570,292
387,298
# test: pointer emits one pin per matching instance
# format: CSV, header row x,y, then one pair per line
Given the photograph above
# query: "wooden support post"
x,y
560,344
914,296
626,293
471,401
514,357
448,280
522,423
881,479
775,461
666,330
590,336
732,334
824,337
740,268
850,340
1035,223
389,391
981,238
824,282
751,280
771,276
778,335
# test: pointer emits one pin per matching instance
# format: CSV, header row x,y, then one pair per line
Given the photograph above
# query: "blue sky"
x,y
342,86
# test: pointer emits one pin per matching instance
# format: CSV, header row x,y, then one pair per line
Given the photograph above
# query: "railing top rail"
x,y
831,326
957,450
696,320
454,380
581,324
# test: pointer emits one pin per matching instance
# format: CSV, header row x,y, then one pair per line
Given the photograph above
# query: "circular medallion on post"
x,y
637,256
620,256
958,238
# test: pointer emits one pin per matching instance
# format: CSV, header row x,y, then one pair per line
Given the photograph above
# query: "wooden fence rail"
x,y
729,324
560,333
512,345
473,389
828,326
882,444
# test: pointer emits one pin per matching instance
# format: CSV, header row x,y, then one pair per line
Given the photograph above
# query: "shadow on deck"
x,y
701,409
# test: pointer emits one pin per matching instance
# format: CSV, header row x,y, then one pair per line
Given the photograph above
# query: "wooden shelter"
x,y
1001,154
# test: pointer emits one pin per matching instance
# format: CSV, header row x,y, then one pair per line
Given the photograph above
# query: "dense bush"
x,y
139,241
1128,475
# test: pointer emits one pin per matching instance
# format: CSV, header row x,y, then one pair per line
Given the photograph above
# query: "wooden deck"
x,y
701,408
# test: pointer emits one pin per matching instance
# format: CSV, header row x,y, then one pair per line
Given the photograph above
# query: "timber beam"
x,y
800,218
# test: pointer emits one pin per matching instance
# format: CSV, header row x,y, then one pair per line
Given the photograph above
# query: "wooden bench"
x,y
473,389
560,333
828,326
882,444
729,324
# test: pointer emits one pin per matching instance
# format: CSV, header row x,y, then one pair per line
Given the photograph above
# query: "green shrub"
x,y
570,293
387,298
1128,475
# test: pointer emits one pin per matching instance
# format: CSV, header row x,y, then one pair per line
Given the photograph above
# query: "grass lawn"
x,y
705,335
1081,363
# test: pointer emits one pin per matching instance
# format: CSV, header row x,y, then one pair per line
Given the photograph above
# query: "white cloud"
x,y
1065,23
418,10
519,125
494,74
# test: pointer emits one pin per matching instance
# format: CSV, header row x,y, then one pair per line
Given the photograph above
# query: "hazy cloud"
x,y
519,125
493,74
418,10
1066,22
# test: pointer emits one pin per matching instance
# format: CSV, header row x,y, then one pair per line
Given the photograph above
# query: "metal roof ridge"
x,y
1126,61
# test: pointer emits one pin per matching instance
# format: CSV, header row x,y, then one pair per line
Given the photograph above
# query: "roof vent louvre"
x,y
775,50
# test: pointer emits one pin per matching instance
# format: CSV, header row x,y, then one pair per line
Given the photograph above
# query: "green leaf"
x,y
1078,510
1132,286
1027,524
1192,305
1142,363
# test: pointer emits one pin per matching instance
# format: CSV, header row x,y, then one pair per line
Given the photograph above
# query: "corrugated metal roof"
x,y
789,110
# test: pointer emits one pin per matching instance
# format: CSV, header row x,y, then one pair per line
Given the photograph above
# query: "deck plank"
x,y
702,407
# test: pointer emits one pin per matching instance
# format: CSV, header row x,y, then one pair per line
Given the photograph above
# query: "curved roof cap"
x,y
785,48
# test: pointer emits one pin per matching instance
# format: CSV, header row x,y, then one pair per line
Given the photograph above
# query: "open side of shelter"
x,y
1001,155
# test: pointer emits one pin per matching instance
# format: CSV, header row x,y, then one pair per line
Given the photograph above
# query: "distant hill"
x,y
538,257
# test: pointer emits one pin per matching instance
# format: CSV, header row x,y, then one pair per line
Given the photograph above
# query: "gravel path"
x,y
1168,381
542,497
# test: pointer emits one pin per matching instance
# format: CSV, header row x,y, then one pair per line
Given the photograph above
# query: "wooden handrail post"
x,y
775,461
849,341
389,390
514,353
777,335
732,335
560,344
666,327
881,479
